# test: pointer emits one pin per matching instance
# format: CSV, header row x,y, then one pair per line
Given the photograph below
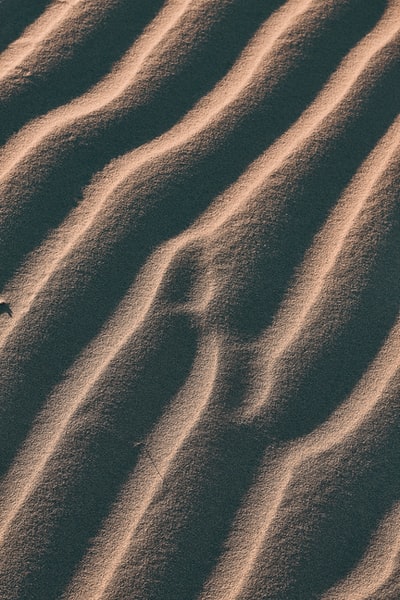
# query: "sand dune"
x,y
200,334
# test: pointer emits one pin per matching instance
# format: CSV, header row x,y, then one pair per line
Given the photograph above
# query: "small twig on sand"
x,y
151,459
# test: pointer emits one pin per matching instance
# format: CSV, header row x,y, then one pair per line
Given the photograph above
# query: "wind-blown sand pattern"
x,y
200,328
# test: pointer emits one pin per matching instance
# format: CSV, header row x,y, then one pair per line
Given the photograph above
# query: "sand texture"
x,y
200,300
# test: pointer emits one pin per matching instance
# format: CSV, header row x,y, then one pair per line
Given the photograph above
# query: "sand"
x,y
199,301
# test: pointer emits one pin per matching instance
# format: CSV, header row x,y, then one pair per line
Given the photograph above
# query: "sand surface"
x,y
200,300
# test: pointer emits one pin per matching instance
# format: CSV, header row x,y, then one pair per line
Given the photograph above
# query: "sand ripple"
x,y
200,328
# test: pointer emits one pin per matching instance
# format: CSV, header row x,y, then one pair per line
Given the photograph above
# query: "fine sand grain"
x,y
200,300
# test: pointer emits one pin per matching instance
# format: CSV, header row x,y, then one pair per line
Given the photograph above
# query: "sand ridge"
x,y
199,219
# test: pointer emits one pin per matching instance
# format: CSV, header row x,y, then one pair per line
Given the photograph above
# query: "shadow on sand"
x,y
5,308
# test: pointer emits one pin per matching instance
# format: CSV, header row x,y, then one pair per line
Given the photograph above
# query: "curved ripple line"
x,y
123,527
101,96
347,418
115,176
336,431
378,565
295,316
34,35
31,482
181,133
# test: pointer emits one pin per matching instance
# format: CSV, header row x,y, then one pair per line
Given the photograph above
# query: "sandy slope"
x,y
200,247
